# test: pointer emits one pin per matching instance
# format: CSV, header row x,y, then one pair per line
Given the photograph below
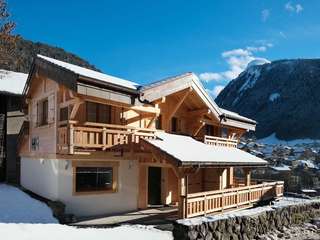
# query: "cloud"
x,y
208,76
237,61
265,14
282,34
293,8
216,90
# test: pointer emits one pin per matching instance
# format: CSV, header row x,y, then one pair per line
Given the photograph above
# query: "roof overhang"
x,y
80,84
175,148
166,87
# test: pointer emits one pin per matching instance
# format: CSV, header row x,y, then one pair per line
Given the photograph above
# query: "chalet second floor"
x,y
73,110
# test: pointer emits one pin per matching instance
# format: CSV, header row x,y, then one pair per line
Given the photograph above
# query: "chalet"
x,y
11,120
102,144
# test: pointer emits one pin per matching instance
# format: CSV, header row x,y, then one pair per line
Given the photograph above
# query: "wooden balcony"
x,y
204,203
75,138
220,141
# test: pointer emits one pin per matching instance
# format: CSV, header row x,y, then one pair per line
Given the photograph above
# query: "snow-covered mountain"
x,y
283,96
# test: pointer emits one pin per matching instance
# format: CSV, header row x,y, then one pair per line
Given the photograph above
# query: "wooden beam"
x,y
145,109
198,112
75,108
161,100
186,94
151,122
198,129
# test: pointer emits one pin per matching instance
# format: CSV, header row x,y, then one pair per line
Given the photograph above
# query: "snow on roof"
x,y
165,80
308,191
235,115
12,82
91,73
188,150
281,168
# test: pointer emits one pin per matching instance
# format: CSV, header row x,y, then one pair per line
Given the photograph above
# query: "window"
x,y
92,179
209,130
64,114
159,122
224,132
99,113
43,112
174,124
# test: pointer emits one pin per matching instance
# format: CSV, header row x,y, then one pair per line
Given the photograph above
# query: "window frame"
x,y
41,112
115,170
98,108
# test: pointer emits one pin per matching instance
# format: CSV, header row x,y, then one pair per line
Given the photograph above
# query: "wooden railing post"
x,y
71,139
104,138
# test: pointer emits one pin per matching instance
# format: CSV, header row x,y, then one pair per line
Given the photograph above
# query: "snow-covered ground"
x,y
18,207
56,231
25,218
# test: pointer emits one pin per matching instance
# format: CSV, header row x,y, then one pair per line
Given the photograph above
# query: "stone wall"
x,y
238,226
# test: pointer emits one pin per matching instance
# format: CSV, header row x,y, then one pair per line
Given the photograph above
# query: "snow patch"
x,y
56,231
253,73
273,97
12,82
257,62
18,207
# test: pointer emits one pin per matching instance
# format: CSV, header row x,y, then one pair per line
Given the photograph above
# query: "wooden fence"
x,y
203,203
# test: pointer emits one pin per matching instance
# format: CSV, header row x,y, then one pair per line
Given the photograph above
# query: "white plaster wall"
x,y
53,179
125,199
40,176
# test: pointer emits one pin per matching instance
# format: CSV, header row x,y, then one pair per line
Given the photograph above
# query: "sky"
x,y
145,41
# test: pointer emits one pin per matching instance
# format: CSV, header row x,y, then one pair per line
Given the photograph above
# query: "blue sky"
x,y
144,41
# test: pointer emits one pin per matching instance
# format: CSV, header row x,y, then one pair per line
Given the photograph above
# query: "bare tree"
x,y
7,39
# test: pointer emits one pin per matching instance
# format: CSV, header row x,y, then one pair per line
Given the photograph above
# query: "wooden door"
x,y
154,186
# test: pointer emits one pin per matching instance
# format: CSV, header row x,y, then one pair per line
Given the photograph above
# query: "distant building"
x,y
11,119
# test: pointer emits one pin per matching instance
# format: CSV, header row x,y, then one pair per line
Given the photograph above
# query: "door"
x,y
154,186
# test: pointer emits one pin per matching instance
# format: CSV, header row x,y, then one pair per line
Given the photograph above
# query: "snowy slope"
x,y
18,207
56,231
12,82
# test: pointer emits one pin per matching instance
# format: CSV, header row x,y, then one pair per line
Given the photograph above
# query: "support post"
x,y
183,197
247,174
71,139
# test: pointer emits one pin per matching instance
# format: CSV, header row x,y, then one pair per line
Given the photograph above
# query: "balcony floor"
x,y
152,216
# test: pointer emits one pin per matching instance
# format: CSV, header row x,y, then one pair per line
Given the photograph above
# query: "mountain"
x,y
19,57
282,96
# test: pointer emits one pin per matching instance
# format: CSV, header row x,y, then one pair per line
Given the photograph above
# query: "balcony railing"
x,y
203,203
220,141
73,137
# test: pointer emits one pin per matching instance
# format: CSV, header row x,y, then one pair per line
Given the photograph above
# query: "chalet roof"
x,y
12,82
84,72
237,116
188,151
179,82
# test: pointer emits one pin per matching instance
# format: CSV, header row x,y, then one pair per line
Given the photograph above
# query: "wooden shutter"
x,y
51,108
34,113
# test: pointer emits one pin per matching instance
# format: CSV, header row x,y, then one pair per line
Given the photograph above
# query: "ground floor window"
x,y
95,178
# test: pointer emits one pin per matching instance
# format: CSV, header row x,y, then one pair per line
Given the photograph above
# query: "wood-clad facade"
x,y
90,143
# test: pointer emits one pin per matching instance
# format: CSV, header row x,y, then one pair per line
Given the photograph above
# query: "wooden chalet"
x,y
102,144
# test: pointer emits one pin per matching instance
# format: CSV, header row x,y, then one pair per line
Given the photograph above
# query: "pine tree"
x,y
7,38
